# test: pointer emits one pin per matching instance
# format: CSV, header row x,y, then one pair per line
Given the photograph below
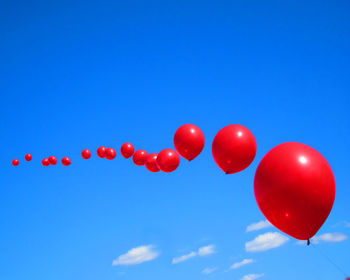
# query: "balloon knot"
x,y
308,242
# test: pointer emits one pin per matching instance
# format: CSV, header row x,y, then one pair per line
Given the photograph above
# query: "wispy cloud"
x,y
265,242
329,237
241,263
258,226
136,256
184,258
252,276
203,251
342,223
209,270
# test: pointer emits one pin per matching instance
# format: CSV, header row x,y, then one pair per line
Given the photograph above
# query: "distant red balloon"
x,y
53,160
151,163
168,160
28,157
66,161
189,141
45,162
127,150
86,154
110,153
295,189
15,162
101,151
140,157
234,148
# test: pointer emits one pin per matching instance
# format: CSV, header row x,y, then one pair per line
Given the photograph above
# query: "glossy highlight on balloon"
x,y
140,157
110,153
189,141
234,148
15,162
53,160
28,157
45,162
101,151
295,189
151,163
86,154
66,161
127,150
168,160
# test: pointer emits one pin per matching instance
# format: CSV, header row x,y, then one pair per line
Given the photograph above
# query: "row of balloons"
x,y
294,184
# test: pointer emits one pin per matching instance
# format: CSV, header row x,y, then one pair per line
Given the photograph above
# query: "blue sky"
x,y
89,73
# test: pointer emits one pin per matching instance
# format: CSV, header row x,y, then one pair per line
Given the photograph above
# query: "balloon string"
x,y
330,261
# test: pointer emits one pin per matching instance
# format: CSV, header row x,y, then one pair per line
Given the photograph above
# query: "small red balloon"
x,y
234,148
140,157
45,162
86,154
53,160
101,151
15,162
189,141
295,189
66,161
127,150
28,157
110,153
151,163
168,160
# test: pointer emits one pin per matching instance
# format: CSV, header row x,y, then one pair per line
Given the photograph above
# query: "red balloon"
x,y
110,153
234,148
140,157
189,141
127,150
28,157
101,151
295,189
15,162
151,163
86,154
45,162
66,161
168,160
53,160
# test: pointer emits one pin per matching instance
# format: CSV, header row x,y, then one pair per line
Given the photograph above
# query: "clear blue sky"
x,y
80,74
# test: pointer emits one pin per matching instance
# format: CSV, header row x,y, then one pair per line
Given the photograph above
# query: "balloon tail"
x,y
308,242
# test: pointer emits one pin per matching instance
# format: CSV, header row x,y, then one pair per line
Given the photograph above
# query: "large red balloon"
x,y
189,141
151,163
168,160
53,160
66,161
101,151
45,162
295,189
15,162
86,154
110,153
140,157
234,148
28,157
127,150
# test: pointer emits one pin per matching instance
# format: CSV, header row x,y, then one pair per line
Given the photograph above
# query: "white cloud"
x,y
242,263
329,237
206,250
258,226
252,276
184,258
136,256
203,251
265,242
209,270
